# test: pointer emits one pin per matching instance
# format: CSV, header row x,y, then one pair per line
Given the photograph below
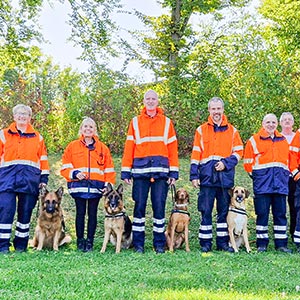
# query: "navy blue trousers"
x,y
297,209
292,205
262,205
92,209
158,195
8,206
206,199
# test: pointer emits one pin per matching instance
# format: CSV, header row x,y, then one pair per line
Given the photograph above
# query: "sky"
x,y
56,32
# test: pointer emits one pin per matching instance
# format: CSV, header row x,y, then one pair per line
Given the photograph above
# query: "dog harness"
x,y
240,211
119,215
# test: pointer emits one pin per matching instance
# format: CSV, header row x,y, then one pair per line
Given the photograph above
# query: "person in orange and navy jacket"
x,y
266,161
216,151
295,167
88,167
286,121
24,169
150,160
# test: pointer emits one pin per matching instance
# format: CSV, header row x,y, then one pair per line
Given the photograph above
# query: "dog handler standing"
x,y
295,169
287,122
266,161
24,169
216,151
150,161
87,167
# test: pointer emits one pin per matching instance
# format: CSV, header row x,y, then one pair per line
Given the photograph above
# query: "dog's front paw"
x,y
248,250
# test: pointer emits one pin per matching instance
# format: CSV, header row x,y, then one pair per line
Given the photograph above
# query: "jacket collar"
x,y
263,135
159,112
12,129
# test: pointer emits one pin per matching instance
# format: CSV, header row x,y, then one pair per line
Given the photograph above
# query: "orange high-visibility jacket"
x,y
214,143
24,161
266,160
151,149
94,161
295,156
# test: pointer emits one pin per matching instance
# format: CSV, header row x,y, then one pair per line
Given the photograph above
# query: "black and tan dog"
x,y
237,218
49,232
178,226
117,225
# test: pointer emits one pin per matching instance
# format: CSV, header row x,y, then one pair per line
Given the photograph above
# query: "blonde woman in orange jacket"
x,y
87,167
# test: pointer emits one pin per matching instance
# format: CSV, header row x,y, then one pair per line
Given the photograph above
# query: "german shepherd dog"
x,y
50,229
237,218
178,226
117,225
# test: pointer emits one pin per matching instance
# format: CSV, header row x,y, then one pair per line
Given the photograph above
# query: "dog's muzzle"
x,y
113,204
50,208
239,198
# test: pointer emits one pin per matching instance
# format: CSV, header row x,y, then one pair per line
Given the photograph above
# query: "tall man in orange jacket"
x,y
266,160
216,151
151,160
23,169
295,169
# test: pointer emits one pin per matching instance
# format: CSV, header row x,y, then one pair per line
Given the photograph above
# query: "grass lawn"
x,y
69,274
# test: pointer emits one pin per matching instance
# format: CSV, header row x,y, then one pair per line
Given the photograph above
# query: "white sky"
x,y
56,32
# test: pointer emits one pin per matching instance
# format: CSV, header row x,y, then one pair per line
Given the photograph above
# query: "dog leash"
x,y
173,192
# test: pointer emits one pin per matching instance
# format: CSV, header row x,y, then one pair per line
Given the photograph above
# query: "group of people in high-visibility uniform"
x,y
150,164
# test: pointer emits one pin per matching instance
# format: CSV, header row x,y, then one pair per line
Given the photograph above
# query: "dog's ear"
x,y
60,192
109,188
120,188
43,191
230,192
247,193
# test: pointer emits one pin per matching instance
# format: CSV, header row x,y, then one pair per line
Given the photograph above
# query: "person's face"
x,y
88,129
22,118
151,101
270,124
287,121
216,111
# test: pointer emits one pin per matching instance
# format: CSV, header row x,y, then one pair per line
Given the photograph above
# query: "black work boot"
x,y
89,245
81,244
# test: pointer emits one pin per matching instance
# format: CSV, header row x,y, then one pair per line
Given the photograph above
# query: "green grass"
x,y
69,274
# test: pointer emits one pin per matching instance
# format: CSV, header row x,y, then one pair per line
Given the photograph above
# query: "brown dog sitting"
x,y
117,225
178,227
237,218
50,232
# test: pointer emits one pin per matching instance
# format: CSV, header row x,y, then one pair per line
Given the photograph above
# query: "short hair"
x,y
269,115
150,91
286,113
87,120
215,99
19,107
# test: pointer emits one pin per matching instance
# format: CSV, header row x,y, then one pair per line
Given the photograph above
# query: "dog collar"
x,y
119,215
240,211
180,211
181,205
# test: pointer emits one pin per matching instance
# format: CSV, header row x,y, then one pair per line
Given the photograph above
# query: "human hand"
x,y
128,181
196,183
171,181
80,176
219,166
42,185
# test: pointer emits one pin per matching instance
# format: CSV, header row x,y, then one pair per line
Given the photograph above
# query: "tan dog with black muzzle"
x,y
178,227
237,218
